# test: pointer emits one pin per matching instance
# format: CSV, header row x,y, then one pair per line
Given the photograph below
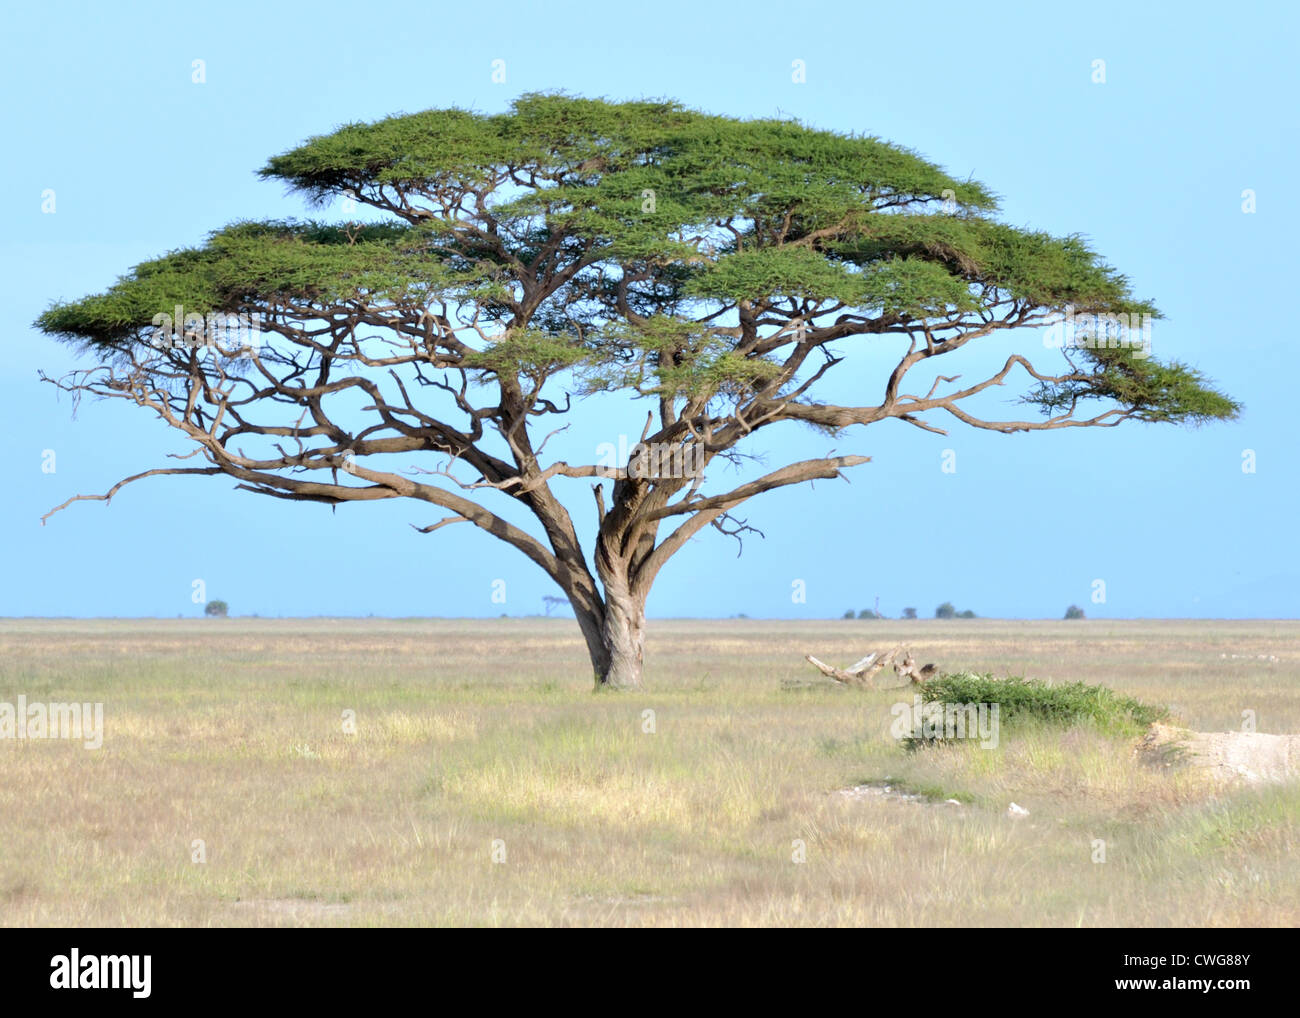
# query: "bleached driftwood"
x,y
862,673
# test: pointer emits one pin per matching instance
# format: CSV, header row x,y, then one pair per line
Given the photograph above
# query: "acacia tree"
x,y
715,269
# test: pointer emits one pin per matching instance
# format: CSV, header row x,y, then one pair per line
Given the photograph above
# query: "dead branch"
x,y
861,673
108,495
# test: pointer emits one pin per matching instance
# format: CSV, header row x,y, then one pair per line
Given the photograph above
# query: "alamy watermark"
x,y
1122,331
216,329
75,971
943,721
25,720
649,460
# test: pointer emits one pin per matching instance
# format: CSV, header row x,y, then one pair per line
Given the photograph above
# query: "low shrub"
x,y
1022,700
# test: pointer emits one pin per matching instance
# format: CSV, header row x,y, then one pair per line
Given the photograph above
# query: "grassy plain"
x,y
482,738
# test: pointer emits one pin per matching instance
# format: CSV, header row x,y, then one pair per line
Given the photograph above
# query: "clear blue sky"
x,y
1198,105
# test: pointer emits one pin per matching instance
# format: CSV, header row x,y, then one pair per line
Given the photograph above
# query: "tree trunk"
x,y
615,635
622,643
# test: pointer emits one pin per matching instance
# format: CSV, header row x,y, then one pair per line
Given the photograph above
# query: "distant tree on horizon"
x,y
216,609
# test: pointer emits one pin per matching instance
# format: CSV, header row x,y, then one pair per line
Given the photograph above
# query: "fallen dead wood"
x,y
862,673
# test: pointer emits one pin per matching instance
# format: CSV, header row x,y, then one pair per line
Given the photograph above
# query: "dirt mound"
x,y
1251,757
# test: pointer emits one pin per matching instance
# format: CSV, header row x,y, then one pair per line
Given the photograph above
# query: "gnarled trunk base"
x,y
615,643
623,646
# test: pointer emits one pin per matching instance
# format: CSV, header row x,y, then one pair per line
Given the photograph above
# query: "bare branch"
x,y
441,523
108,495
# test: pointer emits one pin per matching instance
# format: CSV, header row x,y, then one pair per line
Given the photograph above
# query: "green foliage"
x,y
1027,700
599,156
216,609
527,352
669,357
945,611
1075,612
713,214
244,267
867,613
1172,393
909,613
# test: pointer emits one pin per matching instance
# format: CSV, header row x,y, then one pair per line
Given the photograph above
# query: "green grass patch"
x,y
927,790
938,793
1245,822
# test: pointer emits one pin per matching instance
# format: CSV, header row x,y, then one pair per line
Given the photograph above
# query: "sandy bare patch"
x,y
1252,757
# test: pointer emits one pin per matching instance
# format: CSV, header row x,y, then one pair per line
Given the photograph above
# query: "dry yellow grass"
x,y
471,734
